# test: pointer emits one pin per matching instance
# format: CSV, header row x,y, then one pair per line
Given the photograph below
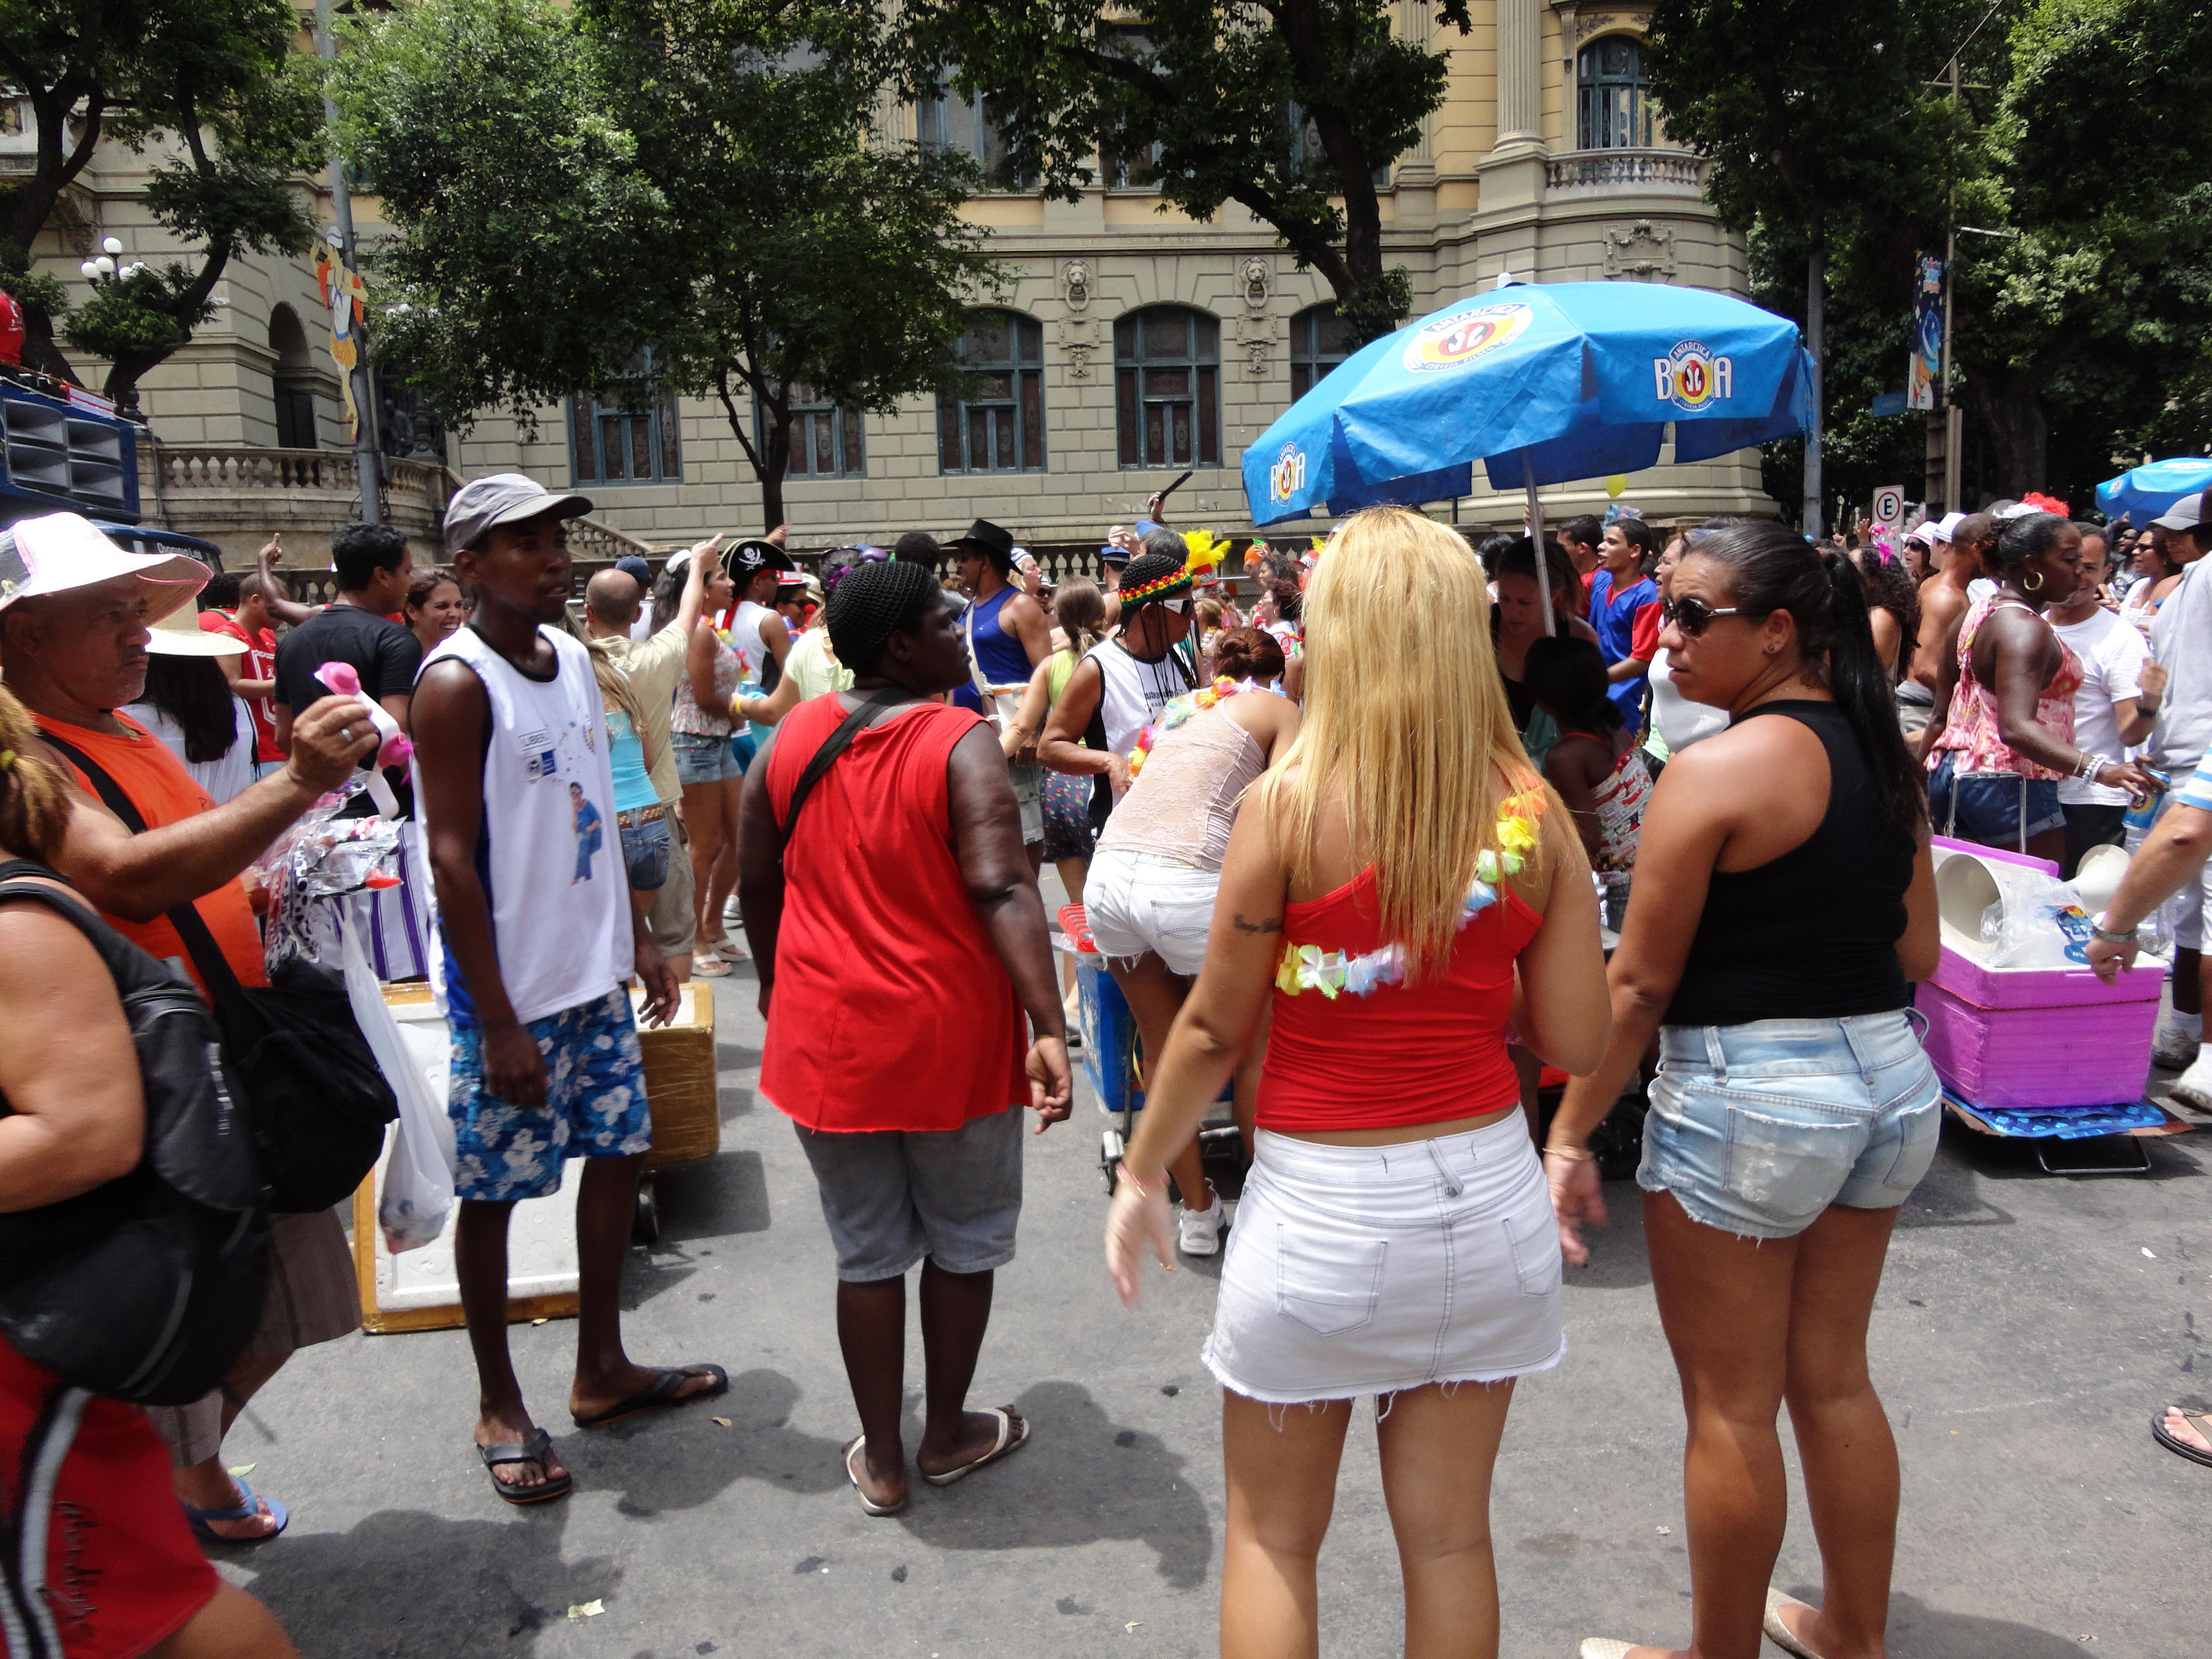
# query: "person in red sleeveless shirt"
x,y
241,612
1400,884
896,882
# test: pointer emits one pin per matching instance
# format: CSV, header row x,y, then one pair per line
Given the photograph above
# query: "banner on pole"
x,y
1926,367
344,300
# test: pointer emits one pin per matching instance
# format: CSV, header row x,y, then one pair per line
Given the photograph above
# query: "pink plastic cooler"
x,y
2039,1038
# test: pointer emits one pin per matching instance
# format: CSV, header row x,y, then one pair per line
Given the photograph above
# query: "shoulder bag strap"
x,y
834,745
207,956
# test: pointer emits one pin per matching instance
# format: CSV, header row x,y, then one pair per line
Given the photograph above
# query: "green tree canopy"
x,y
215,89
2077,153
1287,109
572,186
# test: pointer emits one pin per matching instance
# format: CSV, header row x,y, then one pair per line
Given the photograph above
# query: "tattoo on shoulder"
x,y
1265,925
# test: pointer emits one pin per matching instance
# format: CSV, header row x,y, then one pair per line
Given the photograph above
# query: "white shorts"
x,y
1140,901
1359,1270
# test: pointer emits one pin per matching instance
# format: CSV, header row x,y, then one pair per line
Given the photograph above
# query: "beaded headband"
x,y
1177,580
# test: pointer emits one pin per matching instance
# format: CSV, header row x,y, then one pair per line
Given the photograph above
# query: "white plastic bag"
x,y
417,1193
2037,920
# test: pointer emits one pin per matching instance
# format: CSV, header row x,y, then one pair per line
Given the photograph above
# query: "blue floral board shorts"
x,y
1757,1128
595,1103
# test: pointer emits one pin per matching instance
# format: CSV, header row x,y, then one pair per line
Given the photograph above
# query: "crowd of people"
x,y
1374,860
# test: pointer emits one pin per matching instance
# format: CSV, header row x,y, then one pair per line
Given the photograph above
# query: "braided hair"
x,y
874,601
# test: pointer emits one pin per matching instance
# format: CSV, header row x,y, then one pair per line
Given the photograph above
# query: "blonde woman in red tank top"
x,y
1396,888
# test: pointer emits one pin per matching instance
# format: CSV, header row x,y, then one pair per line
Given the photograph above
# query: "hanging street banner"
x,y
1926,367
345,301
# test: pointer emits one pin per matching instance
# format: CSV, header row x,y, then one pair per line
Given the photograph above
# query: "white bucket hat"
x,y
64,550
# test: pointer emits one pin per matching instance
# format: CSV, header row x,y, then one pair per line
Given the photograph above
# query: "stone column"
x,y
1519,83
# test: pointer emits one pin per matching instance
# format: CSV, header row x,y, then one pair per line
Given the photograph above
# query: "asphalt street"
x,y
2028,1328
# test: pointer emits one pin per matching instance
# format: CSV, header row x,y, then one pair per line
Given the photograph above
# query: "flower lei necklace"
x,y
1309,968
1181,709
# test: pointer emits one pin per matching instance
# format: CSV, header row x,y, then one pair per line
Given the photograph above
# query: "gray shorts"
x,y
1029,795
893,1196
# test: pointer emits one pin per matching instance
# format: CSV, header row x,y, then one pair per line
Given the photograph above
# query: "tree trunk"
x,y
2016,432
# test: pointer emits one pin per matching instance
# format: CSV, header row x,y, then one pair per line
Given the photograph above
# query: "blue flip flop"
x,y
244,1511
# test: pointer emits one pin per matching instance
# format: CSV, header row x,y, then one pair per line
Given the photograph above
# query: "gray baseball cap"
x,y
502,498
2184,515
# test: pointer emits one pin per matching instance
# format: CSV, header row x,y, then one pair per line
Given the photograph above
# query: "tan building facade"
x,y
1131,344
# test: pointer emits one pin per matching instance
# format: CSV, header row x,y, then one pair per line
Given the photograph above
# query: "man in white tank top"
x,y
759,634
539,931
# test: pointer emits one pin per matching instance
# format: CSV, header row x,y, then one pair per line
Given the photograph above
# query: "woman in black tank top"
x,y
1784,900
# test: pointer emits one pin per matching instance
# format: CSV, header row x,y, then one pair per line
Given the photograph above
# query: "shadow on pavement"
x,y
1079,1480
723,1195
1917,1631
682,1459
364,1594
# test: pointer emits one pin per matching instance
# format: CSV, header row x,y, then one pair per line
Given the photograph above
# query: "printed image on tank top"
x,y
590,835
540,759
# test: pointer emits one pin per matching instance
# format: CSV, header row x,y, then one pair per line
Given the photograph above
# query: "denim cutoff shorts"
x,y
702,759
1757,1128
1997,809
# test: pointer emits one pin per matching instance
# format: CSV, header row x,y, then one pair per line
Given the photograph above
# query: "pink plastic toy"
x,y
341,679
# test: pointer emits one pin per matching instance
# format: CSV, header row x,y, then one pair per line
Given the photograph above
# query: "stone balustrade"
x,y
1653,172
237,495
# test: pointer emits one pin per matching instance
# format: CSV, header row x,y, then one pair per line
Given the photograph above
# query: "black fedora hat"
x,y
988,539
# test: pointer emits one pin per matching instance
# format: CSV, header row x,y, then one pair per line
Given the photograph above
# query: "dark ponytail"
x,y
1771,567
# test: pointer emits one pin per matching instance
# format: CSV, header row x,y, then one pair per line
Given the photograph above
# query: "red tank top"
x,y
891,1009
1401,1054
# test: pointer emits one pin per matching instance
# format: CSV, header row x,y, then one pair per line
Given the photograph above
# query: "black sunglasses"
x,y
1692,615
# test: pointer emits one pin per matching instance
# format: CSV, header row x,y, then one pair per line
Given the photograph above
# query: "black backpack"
x,y
148,1287
317,1099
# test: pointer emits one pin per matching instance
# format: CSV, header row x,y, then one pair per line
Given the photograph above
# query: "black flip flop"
x,y
536,1449
661,1395
2174,1444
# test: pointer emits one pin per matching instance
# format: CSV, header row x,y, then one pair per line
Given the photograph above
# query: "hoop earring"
x,y
2035,586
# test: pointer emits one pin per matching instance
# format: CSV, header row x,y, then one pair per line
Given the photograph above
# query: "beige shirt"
x,y
655,664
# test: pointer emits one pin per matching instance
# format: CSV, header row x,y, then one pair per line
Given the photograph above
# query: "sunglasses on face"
x,y
1694,615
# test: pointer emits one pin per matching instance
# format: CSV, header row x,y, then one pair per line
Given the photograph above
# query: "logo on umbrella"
x,y
1455,341
1689,377
1288,475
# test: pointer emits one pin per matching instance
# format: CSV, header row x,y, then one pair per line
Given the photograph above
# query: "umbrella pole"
x,y
1536,538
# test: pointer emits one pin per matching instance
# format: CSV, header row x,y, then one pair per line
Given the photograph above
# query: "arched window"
x,y
1612,108
1167,380
1316,347
295,377
993,421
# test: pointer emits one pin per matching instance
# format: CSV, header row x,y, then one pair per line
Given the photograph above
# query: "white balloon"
x,y
112,245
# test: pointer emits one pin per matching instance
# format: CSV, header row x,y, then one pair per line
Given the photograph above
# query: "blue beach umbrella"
x,y
1542,383
2147,491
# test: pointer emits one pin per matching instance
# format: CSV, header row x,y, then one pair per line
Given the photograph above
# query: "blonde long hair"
x,y
1406,729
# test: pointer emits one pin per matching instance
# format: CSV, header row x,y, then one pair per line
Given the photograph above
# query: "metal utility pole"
x,y
1816,271
367,458
1953,425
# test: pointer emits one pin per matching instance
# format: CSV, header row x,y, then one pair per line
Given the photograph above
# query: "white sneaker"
x,y
2194,1086
2173,1049
1202,1229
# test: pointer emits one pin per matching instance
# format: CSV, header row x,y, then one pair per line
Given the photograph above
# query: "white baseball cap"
x,y
1946,528
66,551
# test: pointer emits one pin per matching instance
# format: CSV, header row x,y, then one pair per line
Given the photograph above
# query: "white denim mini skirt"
x,y
1355,1270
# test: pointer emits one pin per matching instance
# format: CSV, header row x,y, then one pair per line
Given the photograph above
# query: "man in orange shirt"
x,y
74,610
